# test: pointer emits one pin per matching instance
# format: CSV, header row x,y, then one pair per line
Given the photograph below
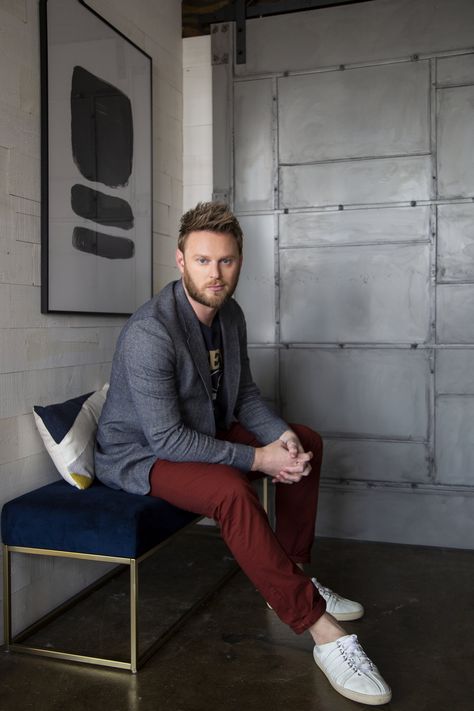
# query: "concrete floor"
x,y
235,655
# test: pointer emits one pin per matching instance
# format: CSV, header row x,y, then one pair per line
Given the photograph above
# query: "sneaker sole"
x,y
339,616
369,699
347,616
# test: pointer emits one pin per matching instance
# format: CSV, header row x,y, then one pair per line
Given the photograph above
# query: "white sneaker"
x,y
350,671
339,607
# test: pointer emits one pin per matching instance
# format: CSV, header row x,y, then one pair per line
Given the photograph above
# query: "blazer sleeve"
x,y
251,409
150,366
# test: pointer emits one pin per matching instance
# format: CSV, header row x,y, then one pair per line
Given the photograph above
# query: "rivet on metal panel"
x,y
224,28
215,29
412,203
414,57
342,67
286,209
286,74
340,207
341,345
413,346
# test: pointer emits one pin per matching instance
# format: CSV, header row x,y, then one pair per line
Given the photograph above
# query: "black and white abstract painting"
x,y
96,164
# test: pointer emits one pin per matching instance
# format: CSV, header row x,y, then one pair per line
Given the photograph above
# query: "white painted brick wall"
x,y
48,358
197,120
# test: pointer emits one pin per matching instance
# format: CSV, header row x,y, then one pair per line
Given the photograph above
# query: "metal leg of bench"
x,y
133,615
7,615
136,660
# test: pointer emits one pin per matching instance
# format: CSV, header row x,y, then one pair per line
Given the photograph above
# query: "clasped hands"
x,y
284,460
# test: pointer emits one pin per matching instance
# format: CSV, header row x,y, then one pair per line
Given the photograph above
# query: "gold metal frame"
x,y
136,659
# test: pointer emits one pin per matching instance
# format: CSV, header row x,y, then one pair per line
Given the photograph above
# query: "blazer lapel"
x,y
194,337
231,347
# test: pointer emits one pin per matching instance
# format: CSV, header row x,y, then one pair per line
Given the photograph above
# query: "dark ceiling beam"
x,y
261,9
239,11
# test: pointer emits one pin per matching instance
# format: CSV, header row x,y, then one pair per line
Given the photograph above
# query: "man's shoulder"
x,y
159,306
155,316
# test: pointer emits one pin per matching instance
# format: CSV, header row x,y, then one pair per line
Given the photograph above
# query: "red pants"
x,y
225,494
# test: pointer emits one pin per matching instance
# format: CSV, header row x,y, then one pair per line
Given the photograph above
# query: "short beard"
x,y
212,302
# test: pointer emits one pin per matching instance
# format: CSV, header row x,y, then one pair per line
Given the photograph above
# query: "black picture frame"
x,y
96,164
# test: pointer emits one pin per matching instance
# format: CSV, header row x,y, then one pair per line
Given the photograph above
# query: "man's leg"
x,y
226,495
295,504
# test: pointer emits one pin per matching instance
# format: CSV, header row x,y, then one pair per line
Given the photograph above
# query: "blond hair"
x,y
211,217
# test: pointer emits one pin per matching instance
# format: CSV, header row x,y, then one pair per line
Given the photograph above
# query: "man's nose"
x,y
215,270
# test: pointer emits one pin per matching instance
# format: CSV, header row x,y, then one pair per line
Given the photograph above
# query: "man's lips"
x,y
216,287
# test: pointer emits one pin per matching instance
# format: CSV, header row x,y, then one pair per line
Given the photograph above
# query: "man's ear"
x,y
180,260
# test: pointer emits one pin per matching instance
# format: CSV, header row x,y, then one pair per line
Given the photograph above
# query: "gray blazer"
x,y
159,405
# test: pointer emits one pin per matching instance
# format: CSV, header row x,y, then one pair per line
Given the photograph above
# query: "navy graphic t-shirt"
x,y
213,340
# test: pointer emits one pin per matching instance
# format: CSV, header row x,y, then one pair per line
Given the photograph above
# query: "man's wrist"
x,y
257,460
286,435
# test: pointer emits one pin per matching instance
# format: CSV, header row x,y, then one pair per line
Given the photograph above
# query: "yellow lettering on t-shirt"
x,y
215,359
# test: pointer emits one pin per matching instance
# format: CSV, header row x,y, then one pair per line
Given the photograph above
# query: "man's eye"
x,y
202,260
227,260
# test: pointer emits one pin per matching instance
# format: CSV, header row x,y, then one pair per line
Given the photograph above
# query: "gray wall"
x,y
345,144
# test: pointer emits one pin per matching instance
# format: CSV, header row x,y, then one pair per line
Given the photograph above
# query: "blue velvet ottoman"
x,y
98,524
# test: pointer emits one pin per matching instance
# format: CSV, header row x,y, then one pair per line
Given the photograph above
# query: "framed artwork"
x,y
96,163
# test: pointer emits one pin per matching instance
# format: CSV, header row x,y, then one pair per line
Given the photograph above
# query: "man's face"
x,y
210,266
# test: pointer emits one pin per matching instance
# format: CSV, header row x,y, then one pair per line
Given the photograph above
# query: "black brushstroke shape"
x,y
104,209
101,129
102,245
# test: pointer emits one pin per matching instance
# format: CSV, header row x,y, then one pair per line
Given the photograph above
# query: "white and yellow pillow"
x,y
68,431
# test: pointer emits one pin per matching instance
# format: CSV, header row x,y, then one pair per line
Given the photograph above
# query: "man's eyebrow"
x,y
206,256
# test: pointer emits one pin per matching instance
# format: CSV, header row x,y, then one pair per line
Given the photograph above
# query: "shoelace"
x,y
354,654
325,592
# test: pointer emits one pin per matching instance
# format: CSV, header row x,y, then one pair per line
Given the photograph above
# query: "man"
x,y
185,422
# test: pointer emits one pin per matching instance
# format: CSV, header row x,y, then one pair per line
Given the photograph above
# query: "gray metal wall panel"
x,y
221,132
391,224
375,405
378,393
253,147
455,70
454,313
455,371
456,242
455,142
264,365
355,294
375,461
455,440
256,289
356,182
372,111
364,32
415,515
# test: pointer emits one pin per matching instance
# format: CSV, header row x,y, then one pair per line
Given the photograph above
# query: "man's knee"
x,y
234,489
310,439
